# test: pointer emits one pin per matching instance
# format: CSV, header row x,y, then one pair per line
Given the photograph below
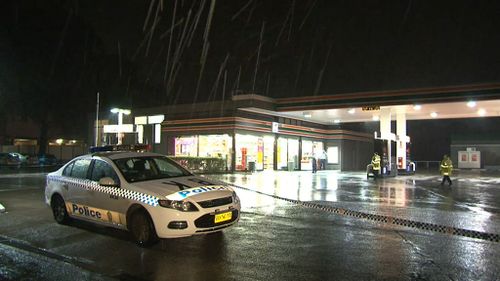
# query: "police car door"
x,y
75,183
106,199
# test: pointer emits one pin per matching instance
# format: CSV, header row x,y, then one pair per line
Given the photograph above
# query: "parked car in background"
x,y
22,157
8,159
47,159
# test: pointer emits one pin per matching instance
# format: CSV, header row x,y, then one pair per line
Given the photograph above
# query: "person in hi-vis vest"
x,y
376,164
446,168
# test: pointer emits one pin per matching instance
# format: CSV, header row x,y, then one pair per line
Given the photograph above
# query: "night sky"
x,y
55,55
307,48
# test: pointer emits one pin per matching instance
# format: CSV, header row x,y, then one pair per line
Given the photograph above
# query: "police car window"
x,y
67,170
80,168
102,169
169,168
149,168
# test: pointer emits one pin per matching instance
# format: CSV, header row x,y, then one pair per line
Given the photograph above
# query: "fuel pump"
x,y
385,148
410,165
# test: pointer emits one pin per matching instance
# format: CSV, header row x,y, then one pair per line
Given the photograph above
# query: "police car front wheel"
x,y
142,229
59,210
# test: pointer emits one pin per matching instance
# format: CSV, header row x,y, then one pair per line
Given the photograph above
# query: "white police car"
x,y
147,193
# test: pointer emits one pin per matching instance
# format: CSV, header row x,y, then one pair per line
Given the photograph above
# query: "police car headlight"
x,y
184,206
236,199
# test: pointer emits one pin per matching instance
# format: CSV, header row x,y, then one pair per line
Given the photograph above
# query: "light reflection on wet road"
x,y
275,240
471,203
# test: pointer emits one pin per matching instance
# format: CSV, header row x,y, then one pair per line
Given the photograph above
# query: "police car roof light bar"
x,y
121,147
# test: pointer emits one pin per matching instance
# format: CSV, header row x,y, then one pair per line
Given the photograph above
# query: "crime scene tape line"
x,y
388,219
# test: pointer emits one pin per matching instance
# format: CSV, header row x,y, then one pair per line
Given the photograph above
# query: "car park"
x,y
146,193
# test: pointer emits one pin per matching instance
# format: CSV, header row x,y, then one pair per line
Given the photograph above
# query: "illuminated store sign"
x,y
124,128
276,127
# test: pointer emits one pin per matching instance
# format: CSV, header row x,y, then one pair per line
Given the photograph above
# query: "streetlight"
x,y
120,113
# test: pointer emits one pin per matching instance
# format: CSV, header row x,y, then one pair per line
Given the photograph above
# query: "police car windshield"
x,y
149,168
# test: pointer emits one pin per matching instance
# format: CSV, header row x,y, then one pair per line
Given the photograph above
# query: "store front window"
x,y
211,146
218,146
333,155
268,153
288,154
186,146
310,149
215,145
254,152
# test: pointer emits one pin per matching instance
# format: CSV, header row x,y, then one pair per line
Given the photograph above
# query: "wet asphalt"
x,y
472,202
275,239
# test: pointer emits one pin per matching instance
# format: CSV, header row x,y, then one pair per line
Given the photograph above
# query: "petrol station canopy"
x,y
470,101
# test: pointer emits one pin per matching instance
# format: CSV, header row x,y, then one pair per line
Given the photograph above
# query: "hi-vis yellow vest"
x,y
446,167
376,162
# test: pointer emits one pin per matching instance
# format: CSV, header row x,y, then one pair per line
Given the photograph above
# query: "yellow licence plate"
x,y
223,217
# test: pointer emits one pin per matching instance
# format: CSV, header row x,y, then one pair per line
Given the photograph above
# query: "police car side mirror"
x,y
107,181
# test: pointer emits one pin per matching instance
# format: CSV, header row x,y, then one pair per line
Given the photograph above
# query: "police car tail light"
x,y
184,206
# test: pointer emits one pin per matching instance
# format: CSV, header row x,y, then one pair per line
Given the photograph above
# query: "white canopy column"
x,y
402,139
385,131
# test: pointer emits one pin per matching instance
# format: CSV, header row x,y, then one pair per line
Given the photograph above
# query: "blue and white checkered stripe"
x,y
120,192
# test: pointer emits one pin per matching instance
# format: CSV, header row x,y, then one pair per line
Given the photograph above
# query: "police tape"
x,y
388,219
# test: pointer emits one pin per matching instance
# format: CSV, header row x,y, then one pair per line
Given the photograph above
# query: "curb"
x,y
2,208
